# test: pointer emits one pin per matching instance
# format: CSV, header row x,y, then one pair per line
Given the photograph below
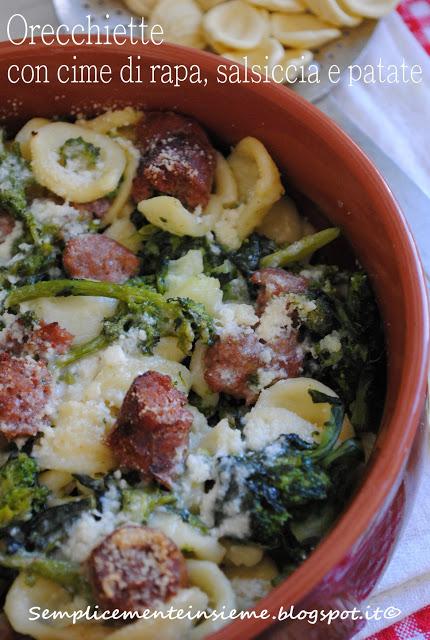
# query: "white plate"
x,y
342,52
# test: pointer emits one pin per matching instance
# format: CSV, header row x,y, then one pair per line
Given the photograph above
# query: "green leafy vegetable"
x,y
67,574
79,153
20,493
355,371
15,178
138,504
300,250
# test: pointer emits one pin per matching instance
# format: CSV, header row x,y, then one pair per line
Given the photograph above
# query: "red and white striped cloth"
x,y
414,627
416,14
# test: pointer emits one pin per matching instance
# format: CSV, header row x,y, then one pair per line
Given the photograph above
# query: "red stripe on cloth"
x,y
416,14
414,627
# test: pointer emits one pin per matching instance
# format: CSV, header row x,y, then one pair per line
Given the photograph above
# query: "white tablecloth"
x,y
397,118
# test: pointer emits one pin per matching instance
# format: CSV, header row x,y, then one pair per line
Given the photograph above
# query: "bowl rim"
x,y
388,463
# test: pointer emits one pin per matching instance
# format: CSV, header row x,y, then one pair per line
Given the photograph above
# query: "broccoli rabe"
x,y
356,370
301,249
138,504
67,574
267,485
292,490
79,154
20,492
15,178
231,268
141,308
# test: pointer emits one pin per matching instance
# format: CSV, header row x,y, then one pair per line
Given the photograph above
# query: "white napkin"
x,y
397,118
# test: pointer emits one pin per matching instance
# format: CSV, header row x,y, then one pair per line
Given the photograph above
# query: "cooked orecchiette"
x,y
259,186
71,178
113,120
118,207
282,223
25,135
208,577
169,214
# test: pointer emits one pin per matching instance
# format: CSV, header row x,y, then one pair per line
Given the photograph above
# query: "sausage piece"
x,y
25,387
274,282
97,257
177,159
46,338
288,356
7,224
96,208
152,429
135,568
231,363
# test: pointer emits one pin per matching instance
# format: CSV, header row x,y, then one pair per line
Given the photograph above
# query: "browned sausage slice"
x,y
152,429
233,364
7,224
230,364
40,342
177,159
97,257
25,386
136,568
96,208
288,356
274,282
50,337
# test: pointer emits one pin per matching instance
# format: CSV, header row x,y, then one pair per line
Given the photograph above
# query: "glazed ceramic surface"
x,y
323,163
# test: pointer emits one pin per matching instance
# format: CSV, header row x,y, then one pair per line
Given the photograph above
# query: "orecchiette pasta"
x,y
118,207
212,581
72,183
268,54
181,21
141,7
112,120
25,601
82,316
285,6
188,538
198,382
294,396
25,135
236,25
124,232
185,278
259,186
170,215
302,31
225,187
369,8
282,223
333,11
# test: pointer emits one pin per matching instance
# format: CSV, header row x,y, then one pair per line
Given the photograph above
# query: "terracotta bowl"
x,y
323,163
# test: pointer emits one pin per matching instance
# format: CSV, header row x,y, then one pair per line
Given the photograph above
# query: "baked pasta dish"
x,y
189,386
